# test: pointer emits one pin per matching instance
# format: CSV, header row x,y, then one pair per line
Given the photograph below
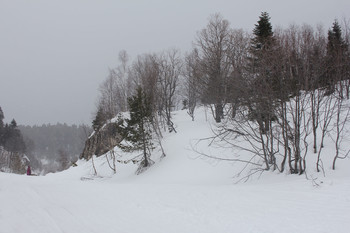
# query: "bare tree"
x,y
144,73
342,113
238,57
328,111
213,43
313,80
63,159
108,96
121,74
346,33
192,74
114,91
169,65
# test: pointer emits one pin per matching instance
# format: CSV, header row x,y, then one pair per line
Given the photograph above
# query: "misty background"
x,y
52,148
54,54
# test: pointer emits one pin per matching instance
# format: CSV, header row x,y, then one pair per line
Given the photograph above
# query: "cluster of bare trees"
x,y
150,82
275,94
157,74
114,92
213,68
280,92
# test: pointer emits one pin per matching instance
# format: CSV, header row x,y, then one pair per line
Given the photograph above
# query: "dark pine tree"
x,y
263,34
139,125
335,39
1,127
1,118
337,59
264,83
99,120
13,139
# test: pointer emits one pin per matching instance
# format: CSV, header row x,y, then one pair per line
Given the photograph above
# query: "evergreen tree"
x,y
337,61
263,34
13,139
139,131
99,120
1,126
264,83
261,46
13,124
335,40
1,118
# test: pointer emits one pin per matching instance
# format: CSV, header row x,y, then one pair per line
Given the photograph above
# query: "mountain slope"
x,y
183,192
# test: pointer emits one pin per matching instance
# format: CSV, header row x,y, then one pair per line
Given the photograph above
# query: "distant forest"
x,y
54,147
46,148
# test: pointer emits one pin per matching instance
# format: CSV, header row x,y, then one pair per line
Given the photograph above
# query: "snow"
x,y
182,192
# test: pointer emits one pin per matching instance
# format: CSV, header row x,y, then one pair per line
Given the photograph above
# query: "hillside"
x,y
183,192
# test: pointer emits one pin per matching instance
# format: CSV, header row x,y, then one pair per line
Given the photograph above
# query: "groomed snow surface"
x,y
182,192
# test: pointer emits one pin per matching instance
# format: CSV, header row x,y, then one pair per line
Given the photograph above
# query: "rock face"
x,y
101,142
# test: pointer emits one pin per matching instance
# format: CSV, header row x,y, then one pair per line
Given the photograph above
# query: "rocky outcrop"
x,y
101,141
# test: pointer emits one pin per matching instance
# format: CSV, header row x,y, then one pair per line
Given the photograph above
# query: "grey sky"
x,y
55,53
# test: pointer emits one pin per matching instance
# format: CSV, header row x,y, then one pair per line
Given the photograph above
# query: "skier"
x,y
29,172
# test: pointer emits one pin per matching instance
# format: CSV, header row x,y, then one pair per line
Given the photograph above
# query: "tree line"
x,y
46,148
12,147
270,91
277,92
53,148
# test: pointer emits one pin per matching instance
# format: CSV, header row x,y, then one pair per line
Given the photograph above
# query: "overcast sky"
x,y
55,53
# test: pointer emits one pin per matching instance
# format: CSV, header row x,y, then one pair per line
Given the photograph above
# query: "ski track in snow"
x,y
182,193
43,206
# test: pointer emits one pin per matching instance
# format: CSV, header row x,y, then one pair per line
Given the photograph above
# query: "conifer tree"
x,y
99,120
13,138
1,118
337,61
335,39
264,85
263,34
262,47
1,126
139,125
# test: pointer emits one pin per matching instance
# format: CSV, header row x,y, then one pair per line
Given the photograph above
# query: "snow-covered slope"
x,y
182,165
183,192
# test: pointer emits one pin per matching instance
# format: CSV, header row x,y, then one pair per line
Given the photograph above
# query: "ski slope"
x,y
183,192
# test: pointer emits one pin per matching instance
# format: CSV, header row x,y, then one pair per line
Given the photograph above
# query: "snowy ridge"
x,y
181,165
183,192
189,159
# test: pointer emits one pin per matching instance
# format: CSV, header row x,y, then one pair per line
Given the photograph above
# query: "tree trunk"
x,y
285,135
314,120
219,112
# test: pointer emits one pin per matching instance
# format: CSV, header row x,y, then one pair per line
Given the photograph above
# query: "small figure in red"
x,y
29,172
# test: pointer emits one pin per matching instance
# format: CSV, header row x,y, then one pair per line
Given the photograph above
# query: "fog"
x,y
54,54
